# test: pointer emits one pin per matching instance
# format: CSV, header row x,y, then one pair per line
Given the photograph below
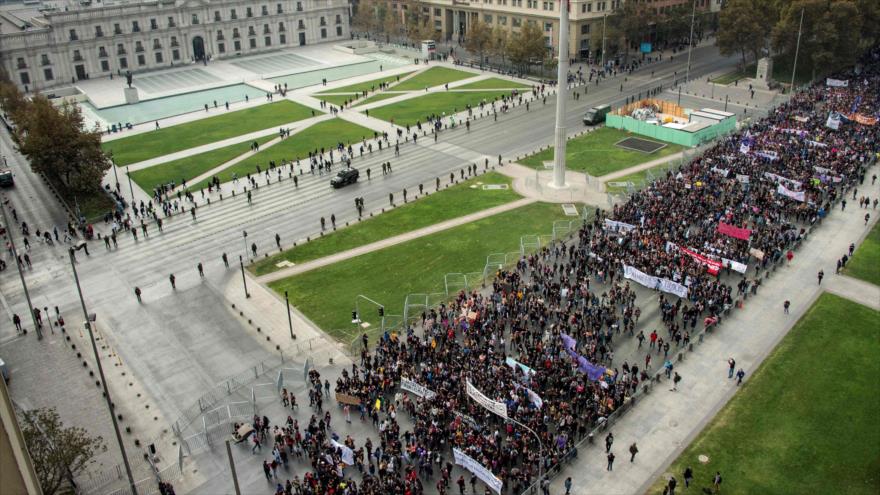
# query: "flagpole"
x,y
797,50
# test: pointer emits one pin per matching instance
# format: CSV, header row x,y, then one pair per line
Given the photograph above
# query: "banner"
x,y
477,469
592,371
347,454
498,408
735,265
513,363
712,266
833,121
836,83
618,226
535,398
795,195
768,154
791,184
757,253
733,231
862,119
652,282
671,287
721,171
416,389
742,178
711,259
568,342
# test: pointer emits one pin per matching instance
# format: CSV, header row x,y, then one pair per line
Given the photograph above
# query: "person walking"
x,y
16,320
739,376
820,276
633,450
609,439
225,260
731,364
675,381
267,471
786,305
610,466
716,482
688,476
568,486
172,280
278,241
201,270
137,293
671,484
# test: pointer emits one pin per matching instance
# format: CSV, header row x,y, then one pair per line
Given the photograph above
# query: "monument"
x,y
763,77
561,94
131,93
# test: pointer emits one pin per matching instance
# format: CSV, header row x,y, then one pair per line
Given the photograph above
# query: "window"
x,y
171,22
20,63
323,21
99,32
266,29
123,63
138,47
77,56
221,47
142,60
516,22
265,10
253,43
217,17
237,46
251,31
105,66
175,54
301,25
158,57
220,36
532,4
282,39
502,20
135,27
585,29
548,26
102,52
249,12
154,24
73,36
438,12
280,27
157,45
487,18
174,41
120,49
279,9
195,19
338,30
47,74
233,15
299,6
117,29
25,78
235,33
338,19
44,60
267,41
323,33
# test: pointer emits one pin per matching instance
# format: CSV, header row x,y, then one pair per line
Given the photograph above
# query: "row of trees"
x,y
55,140
834,33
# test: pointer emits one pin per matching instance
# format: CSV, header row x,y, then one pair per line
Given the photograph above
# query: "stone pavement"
x,y
663,423
862,292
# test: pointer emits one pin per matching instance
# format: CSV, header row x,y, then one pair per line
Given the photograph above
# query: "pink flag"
x,y
734,231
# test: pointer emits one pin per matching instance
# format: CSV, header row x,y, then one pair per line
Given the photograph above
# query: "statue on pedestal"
x,y
128,78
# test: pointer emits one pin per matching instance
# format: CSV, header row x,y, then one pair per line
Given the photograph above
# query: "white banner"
x,y
833,121
742,178
652,282
671,287
498,408
478,469
836,83
768,154
721,171
513,363
535,398
618,226
347,454
735,265
415,388
795,195
791,184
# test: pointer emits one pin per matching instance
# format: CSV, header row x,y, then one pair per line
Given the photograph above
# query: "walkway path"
x,y
391,241
664,423
862,292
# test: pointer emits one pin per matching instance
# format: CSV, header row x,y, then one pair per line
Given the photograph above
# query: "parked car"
x,y
344,178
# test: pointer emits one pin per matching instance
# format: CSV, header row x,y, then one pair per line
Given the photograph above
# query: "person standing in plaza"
x,y
786,305
609,440
568,486
633,450
137,293
731,365
675,381
820,276
739,376
610,466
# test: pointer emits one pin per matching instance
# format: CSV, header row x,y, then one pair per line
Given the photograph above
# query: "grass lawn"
x,y
324,134
494,83
418,109
435,76
337,100
781,73
193,166
596,154
806,418
167,140
367,85
459,200
865,264
379,97
327,295
639,179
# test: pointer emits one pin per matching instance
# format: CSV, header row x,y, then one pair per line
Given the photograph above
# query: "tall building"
x,y
53,43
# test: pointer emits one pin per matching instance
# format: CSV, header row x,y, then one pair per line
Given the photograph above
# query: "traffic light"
x,y
381,311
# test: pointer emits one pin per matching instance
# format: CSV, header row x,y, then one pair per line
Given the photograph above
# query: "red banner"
x,y
734,231
712,266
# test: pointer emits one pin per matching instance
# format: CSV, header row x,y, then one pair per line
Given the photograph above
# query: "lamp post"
x,y
130,188
27,296
243,278
289,320
88,325
687,76
244,235
604,17
797,49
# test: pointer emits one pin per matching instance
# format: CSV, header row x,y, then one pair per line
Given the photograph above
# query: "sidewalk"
x,y
391,241
664,423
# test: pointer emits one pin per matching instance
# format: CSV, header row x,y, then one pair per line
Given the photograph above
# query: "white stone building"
x,y
56,43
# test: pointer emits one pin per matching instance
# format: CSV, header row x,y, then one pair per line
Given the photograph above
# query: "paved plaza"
x,y
166,353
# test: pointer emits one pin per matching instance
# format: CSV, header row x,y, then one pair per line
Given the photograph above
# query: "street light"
x,y
88,319
20,273
244,234
289,320
130,188
243,279
687,76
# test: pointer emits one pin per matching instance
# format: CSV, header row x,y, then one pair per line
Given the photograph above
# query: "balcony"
x,y
99,34
45,61
121,51
77,58
73,37
139,49
22,65
117,31
174,44
102,54
157,46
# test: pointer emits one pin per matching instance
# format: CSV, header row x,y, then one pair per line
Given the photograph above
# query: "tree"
x,y
365,19
499,42
58,453
527,46
744,27
479,38
630,22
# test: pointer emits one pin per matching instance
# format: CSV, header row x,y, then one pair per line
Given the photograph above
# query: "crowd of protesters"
x,y
519,341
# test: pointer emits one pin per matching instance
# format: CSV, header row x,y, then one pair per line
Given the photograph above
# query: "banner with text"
x,y
795,195
415,388
478,469
496,407
652,282
734,231
618,226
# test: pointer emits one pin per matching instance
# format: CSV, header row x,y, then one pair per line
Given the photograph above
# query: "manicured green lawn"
x,y
379,97
192,166
494,83
596,154
456,201
435,76
865,264
418,109
327,295
367,85
324,134
806,419
337,100
732,76
167,140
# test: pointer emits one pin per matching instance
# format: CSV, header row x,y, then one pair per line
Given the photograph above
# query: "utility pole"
x,y
561,94
687,76
27,296
232,469
130,188
289,320
604,18
243,278
796,50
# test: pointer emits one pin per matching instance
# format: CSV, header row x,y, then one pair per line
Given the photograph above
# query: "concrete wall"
x,y
668,135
